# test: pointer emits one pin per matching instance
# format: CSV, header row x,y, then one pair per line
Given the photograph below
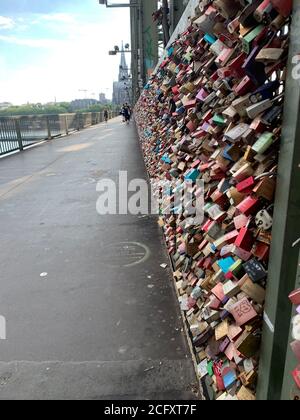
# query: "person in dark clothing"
x,y
123,112
127,113
105,115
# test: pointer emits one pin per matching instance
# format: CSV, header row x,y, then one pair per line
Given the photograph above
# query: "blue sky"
x,y
53,48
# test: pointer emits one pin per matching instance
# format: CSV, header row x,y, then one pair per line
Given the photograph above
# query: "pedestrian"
x,y
105,115
123,112
127,113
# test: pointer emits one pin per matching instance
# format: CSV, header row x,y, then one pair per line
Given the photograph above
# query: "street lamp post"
x,y
136,42
136,82
111,5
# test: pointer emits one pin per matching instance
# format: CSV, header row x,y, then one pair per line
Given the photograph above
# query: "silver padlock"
x,y
264,220
296,328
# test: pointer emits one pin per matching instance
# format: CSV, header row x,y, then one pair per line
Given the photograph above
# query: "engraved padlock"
x,y
264,220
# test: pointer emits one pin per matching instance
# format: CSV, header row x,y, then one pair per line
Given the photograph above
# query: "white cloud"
x,y
6,23
33,43
77,60
58,17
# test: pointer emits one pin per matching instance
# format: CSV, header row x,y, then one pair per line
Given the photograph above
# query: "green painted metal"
x,y
289,388
134,52
284,256
150,37
177,7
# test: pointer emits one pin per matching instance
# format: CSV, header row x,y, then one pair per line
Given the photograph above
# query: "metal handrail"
x,y
19,132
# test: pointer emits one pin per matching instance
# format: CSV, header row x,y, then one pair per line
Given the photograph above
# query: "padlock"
x,y
217,47
245,240
248,206
265,188
254,291
235,66
270,117
246,17
227,8
295,297
246,185
251,38
246,85
278,23
264,220
261,251
265,12
255,270
254,69
263,143
258,108
295,346
269,55
296,376
205,22
243,312
296,328
233,26
265,92
236,133
283,7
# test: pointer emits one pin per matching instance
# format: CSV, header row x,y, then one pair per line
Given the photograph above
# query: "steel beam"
x,y
284,256
177,7
149,38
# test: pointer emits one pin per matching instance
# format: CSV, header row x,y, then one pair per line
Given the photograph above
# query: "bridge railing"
x,y
19,132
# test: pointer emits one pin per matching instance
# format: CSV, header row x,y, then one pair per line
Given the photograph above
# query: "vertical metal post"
x,y
290,390
66,125
165,22
149,35
172,15
19,135
141,42
134,52
48,128
177,8
284,255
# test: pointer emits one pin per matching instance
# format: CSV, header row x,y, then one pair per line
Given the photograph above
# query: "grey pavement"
x,y
99,325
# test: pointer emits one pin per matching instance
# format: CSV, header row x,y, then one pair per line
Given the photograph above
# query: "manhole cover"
x,y
125,254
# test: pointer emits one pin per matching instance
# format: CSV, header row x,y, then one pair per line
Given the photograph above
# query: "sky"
x,y
54,48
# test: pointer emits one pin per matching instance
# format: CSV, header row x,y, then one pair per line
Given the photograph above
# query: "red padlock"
x,y
296,376
245,239
295,297
283,7
248,206
246,185
244,87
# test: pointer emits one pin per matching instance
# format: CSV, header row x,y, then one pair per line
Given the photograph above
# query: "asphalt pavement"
x,y
90,313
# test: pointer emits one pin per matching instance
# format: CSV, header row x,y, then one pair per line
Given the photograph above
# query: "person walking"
x,y
123,112
105,115
127,113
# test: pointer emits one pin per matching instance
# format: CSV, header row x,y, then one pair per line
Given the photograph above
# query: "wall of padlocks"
x,y
213,113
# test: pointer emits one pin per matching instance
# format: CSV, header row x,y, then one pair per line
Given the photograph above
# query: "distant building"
x,y
102,99
5,105
78,104
122,88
